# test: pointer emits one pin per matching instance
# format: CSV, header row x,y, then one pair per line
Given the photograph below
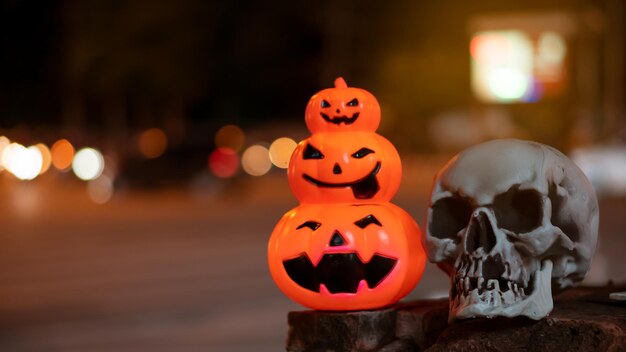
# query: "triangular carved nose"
x,y
480,233
336,169
337,240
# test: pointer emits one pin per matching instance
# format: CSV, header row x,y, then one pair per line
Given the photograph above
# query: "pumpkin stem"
x,y
340,83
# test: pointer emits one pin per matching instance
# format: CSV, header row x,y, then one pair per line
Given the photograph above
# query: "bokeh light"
x,y
7,154
46,157
281,150
224,162
62,154
231,137
152,143
551,48
4,142
502,66
22,162
256,160
88,164
508,83
101,189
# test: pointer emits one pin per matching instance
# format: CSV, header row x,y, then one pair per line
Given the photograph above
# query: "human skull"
x,y
510,221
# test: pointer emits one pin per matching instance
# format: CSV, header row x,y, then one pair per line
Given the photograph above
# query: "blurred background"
x,y
144,143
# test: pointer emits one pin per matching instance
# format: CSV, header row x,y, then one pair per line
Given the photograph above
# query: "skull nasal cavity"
x,y
337,240
480,234
336,169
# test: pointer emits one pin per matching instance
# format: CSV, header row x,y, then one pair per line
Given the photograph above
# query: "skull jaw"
x,y
536,306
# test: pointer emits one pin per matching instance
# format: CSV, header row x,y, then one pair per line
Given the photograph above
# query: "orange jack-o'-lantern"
x,y
342,108
346,257
349,167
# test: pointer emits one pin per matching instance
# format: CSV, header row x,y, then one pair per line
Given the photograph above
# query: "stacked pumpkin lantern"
x,y
345,247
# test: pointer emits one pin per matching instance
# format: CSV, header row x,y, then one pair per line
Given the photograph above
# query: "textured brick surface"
x,y
584,319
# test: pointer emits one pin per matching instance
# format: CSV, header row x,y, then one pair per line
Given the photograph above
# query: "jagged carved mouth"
x,y
488,281
338,120
338,272
363,188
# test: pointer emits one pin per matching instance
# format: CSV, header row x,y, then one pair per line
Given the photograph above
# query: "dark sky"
x,y
125,65
29,60
248,60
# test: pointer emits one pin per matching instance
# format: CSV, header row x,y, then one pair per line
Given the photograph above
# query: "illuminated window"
x,y
511,66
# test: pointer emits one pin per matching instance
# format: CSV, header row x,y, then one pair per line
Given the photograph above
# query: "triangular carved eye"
x,y
325,104
353,102
310,152
361,153
313,225
368,220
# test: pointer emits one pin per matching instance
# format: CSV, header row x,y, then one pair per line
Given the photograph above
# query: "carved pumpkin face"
x,y
342,108
346,257
350,167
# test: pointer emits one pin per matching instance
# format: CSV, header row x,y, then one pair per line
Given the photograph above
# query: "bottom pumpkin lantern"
x,y
346,257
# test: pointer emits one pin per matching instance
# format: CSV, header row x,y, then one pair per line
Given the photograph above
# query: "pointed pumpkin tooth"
x,y
362,286
324,290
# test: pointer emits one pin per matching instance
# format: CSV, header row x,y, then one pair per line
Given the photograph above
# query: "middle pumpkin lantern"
x,y
346,167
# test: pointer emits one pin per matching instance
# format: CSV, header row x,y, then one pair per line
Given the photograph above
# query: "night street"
x,y
83,277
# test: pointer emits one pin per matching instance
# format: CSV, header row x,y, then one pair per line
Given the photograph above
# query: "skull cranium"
x,y
509,221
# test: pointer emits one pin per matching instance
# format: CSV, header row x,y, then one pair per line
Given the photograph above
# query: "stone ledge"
x,y
584,319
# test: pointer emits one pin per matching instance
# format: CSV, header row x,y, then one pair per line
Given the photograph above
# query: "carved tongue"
x,y
367,188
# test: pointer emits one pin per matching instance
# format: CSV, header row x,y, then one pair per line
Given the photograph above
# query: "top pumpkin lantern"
x,y
342,108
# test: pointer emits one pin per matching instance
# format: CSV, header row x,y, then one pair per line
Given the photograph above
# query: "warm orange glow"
x,y
230,136
152,143
62,154
365,163
46,157
342,108
329,229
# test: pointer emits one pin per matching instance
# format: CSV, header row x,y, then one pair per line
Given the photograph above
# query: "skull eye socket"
x,y
518,210
449,216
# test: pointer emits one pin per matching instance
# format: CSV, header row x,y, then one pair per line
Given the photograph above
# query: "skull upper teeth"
x,y
472,287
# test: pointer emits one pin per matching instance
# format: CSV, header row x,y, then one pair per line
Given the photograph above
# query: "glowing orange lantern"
x,y
349,167
346,247
346,257
341,109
